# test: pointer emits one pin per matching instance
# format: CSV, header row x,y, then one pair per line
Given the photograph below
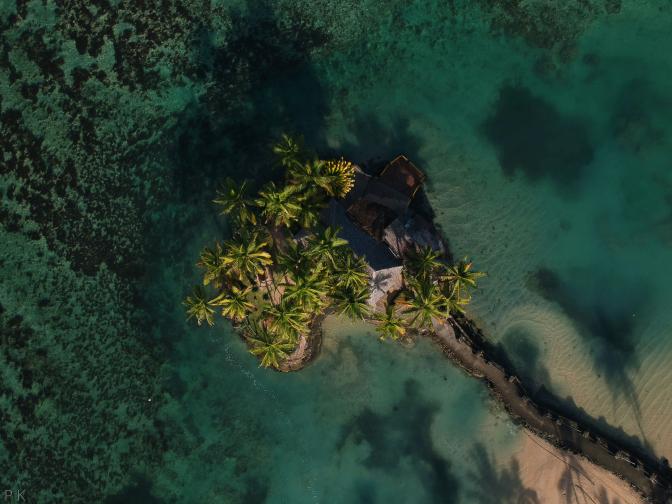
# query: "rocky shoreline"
x,y
465,345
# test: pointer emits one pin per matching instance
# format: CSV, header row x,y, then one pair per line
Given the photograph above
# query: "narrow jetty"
x,y
462,342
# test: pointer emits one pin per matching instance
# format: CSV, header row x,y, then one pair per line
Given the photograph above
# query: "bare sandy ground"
x,y
562,478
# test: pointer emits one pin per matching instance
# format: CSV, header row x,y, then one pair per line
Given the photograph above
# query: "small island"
x,y
335,238
330,238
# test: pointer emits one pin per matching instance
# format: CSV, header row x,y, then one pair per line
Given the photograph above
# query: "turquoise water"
x,y
544,129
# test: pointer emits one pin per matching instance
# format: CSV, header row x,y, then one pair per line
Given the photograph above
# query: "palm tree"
x,y
307,175
311,203
454,305
308,290
235,304
351,272
292,259
352,302
338,177
424,261
424,303
324,245
461,278
247,257
390,325
287,320
279,207
266,345
289,150
232,198
334,177
197,307
212,260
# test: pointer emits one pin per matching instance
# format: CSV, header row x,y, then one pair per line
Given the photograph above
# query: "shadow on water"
x,y
492,486
376,142
603,316
261,84
404,433
525,355
138,493
530,135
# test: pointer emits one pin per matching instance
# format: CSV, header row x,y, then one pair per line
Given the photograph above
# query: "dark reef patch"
x,y
139,493
492,486
640,117
530,135
405,433
552,26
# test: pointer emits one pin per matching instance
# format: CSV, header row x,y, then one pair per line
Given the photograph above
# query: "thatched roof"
x,y
376,254
371,216
402,176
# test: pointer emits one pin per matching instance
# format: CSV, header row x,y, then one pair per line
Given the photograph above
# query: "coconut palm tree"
x,y
454,305
338,177
292,260
389,324
289,150
197,307
279,207
247,257
334,177
212,261
235,303
351,272
324,245
288,320
308,290
461,278
424,302
352,302
312,203
233,200
307,175
266,345
423,262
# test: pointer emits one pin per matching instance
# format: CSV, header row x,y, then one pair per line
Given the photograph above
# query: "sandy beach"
x,y
560,477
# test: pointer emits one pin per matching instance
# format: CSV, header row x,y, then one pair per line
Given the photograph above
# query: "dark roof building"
x,y
402,176
376,221
376,254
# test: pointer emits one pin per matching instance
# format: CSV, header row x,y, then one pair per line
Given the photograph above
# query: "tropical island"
x,y
334,238
331,238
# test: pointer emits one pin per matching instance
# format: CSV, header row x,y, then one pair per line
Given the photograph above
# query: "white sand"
x,y
563,478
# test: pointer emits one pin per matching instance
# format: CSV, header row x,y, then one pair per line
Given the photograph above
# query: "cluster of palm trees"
x,y
273,286
433,290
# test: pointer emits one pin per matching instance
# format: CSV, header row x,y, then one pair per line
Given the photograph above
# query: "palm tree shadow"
x,y
603,497
492,486
571,480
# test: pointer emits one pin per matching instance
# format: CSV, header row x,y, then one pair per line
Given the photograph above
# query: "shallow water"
x,y
544,130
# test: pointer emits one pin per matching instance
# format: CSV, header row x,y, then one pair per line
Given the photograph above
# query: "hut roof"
x,y
403,176
384,195
371,216
377,255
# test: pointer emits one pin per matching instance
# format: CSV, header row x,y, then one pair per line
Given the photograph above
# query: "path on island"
x,y
558,430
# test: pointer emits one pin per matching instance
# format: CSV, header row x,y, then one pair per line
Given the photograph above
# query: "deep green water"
x,y
544,127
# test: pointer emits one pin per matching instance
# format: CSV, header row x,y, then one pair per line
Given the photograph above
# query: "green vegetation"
x,y
281,271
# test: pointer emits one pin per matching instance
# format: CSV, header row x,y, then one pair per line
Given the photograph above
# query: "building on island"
x,y
377,219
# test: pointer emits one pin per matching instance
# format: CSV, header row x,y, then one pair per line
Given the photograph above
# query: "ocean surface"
x,y
545,130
